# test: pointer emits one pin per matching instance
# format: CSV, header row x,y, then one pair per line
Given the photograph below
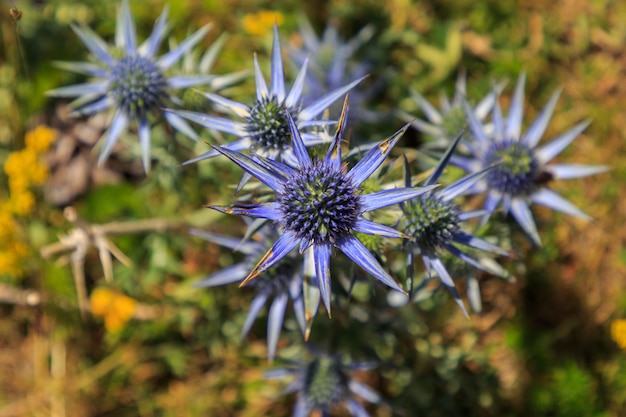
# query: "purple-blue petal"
x,y
118,124
475,242
180,125
144,141
260,172
557,145
126,34
261,87
355,250
549,198
153,42
521,212
170,58
436,264
277,83
237,145
212,122
95,44
538,128
228,275
324,102
568,171
275,323
321,254
369,227
295,94
256,305
269,211
516,111
387,198
299,149
375,157
75,90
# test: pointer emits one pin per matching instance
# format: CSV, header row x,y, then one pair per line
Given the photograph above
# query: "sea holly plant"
x,y
444,124
131,80
332,62
264,127
323,383
523,168
433,224
319,204
281,283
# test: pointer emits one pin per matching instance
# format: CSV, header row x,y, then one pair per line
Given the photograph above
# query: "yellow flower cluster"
x,y
618,332
12,249
24,170
116,309
261,23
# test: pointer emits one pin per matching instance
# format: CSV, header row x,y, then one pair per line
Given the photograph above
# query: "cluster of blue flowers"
x,y
313,206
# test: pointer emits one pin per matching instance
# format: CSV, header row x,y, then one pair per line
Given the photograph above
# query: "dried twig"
x,y
79,240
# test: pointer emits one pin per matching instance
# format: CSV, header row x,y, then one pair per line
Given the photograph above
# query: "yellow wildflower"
x,y
40,139
115,308
618,332
22,202
261,23
11,259
8,226
38,174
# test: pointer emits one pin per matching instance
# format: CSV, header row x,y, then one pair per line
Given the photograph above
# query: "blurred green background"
x,y
151,344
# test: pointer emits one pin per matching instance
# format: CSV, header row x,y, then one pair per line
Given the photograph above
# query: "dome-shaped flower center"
x,y
276,280
323,384
137,85
454,121
268,127
320,204
431,222
516,169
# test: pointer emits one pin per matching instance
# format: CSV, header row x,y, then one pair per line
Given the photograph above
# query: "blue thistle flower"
x,y
264,128
433,222
281,282
332,61
319,205
323,383
131,80
522,169
444,125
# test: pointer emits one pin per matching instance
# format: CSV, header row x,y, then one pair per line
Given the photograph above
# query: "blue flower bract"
x,y
264,128
282,282
323,382
522,167
131,80
319,205
433,224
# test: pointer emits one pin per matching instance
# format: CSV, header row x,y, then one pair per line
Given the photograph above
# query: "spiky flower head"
x,y
280,283
323,383
433,224
332,60
319,204
131,80
444,124
523,168
263,128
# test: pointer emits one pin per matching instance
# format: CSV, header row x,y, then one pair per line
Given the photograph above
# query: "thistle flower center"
x,y
323,382
454,121
517,168
320,204
277,279
431,221
268,127
137,85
